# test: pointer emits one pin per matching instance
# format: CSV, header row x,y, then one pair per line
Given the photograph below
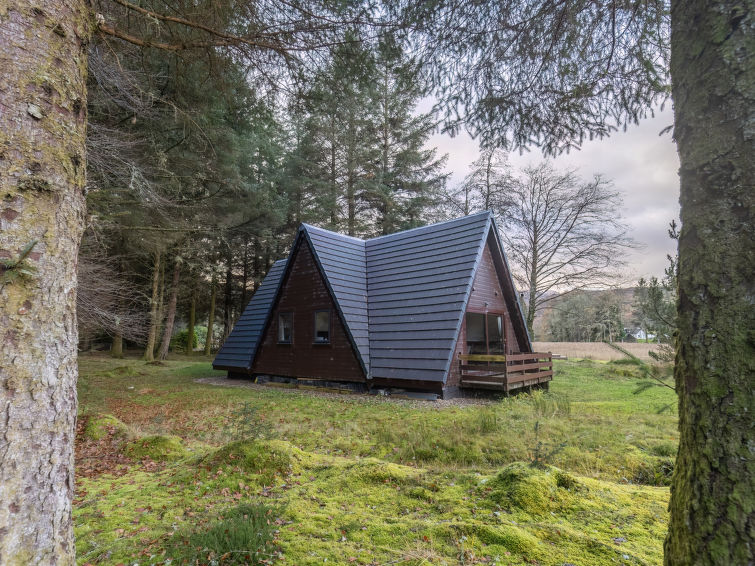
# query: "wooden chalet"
x,y
430,311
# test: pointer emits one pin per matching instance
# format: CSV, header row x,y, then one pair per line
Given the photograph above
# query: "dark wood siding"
x,y
486,296
303,293
486,290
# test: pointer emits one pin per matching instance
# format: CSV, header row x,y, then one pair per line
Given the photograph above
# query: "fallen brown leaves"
x,y
96,457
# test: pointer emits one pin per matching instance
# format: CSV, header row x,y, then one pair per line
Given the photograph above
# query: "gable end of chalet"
x,y
342,290
297,350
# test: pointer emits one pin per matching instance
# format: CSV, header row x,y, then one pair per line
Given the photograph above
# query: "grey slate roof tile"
x,y
240,347
409,305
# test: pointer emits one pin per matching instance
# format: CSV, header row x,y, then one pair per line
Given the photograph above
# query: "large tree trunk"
x,y
228,297
211,317
192,321
149,350
170,319
116,348
42,175
713,488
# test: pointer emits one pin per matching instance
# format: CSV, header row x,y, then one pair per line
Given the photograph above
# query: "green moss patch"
x,y
512,538
534,490
362,480
122,371
158,447
99,426
373,471
265,459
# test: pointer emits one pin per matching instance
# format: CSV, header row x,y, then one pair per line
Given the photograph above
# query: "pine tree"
x,y
337,146
363,151
42,179
407,176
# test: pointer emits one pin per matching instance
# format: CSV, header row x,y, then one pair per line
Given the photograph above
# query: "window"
x,y
285,327
476,333
485,333
495,334
322,327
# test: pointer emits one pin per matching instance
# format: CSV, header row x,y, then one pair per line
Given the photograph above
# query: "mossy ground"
x,y
157,447
357,480
99,426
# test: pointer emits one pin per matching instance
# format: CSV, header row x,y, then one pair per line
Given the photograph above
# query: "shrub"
x,y
180,340
249,424
243,535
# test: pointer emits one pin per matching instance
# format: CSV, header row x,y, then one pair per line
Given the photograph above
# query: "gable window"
x,y
322,327
285,327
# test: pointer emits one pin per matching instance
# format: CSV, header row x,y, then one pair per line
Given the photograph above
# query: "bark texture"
x,y
211,317
192,321
713,488
42,176
171,317
116,349
149,350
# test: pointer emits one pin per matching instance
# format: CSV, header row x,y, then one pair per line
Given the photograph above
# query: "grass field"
x,y
596,350
175,471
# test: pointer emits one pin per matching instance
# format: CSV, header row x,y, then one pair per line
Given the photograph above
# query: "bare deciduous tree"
x,y
105,300
485,187
561,233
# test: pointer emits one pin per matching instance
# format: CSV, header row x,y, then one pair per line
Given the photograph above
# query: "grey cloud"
x,y
642,166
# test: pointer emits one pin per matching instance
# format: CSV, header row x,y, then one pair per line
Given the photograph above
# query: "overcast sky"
x,y
642,165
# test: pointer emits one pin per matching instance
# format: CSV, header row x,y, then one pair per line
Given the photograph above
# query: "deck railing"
x,y
505,372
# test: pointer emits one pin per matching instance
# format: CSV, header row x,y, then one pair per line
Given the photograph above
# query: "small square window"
x,y
285,327
322,327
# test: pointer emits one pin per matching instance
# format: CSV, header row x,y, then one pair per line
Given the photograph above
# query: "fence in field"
x,y
595,350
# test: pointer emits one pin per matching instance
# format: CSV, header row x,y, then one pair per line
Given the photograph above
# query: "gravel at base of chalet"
x,y
355,397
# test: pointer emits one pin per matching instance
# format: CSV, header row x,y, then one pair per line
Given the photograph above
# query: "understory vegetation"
x,y
175,471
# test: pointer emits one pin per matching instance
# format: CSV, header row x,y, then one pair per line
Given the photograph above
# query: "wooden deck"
x,y
505,373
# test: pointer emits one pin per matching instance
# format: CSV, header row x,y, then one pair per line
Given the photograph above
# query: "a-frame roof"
x,y
239,349
419,282
402,297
